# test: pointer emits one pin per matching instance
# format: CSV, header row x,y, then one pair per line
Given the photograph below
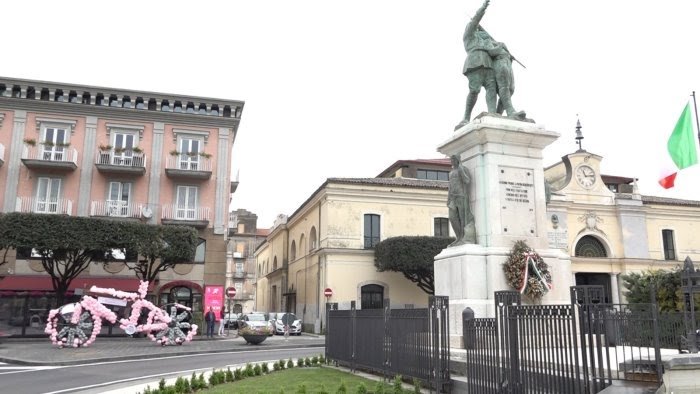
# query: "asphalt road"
x,y
107,376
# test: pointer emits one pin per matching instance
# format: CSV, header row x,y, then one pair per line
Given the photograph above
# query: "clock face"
x,y
585,176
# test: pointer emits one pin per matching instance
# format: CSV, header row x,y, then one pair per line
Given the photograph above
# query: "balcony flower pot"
x,y
205,155
105,148
192,154
174,153
30,141
136,149
48,143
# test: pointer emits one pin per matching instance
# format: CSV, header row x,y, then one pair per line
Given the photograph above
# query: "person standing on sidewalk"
x,y
210,319
221,322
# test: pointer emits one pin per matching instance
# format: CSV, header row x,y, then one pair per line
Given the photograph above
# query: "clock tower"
x,y
577,177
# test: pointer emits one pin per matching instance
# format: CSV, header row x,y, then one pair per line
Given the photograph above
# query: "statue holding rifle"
x,y
488,65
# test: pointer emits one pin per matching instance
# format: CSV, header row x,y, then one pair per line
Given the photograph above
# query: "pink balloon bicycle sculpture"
x,y
78,324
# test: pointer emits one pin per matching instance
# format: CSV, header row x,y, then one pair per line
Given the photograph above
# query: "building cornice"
x,y
125,114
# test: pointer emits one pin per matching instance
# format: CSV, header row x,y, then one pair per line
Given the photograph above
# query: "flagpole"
x,y
697,124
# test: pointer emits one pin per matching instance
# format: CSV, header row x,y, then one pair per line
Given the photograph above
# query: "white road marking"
x,y
5,370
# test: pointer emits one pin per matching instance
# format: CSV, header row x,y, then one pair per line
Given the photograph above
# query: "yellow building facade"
x,y
607,227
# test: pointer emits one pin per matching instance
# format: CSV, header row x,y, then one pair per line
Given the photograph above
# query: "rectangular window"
x,y
47,192
124,143
186,203
54,144
189,153
201,251
118,199
371,230
669,247
442,227
239,269
434,175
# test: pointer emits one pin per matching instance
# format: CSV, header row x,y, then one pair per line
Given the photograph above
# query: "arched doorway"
x,y
591,247
372,297
182,292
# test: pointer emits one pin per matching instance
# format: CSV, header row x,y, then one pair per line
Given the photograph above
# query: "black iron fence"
x,y
576,348
413,343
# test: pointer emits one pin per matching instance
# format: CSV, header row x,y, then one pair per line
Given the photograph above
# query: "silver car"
x,y
280,319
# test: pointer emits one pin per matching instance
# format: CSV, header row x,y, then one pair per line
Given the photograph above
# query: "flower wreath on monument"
x,y
527,272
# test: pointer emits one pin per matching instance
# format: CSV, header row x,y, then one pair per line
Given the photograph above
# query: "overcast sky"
x,y
345,88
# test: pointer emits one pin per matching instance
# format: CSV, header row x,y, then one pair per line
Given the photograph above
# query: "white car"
x,y
279,319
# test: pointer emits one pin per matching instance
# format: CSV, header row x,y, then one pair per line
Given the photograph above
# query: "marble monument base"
x,y
470,274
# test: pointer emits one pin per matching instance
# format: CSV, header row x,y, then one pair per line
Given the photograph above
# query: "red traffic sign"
x,y
328,292
230,292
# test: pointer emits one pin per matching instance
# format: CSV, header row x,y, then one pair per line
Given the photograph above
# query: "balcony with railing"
x,y
116,161
58,206
188,166
184,215
50,157
116,209
2,154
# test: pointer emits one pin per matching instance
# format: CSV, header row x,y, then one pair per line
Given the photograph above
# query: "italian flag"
x,y
681,149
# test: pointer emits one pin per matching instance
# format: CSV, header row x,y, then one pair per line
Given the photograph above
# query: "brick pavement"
x,y
42,352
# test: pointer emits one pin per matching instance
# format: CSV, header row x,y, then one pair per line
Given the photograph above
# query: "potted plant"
x,y
119,150
30,141
254,335
105,148
48,143
63,144
174,152
136,149
192,154
205,155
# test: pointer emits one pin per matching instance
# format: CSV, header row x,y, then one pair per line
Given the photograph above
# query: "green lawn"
x,y
316,380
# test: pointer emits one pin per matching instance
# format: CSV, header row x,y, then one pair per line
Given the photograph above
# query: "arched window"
x,y
274,263
293,252
590,246
372,297
312,239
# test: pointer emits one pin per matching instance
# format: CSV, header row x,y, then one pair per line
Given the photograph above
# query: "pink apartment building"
x,y
130,155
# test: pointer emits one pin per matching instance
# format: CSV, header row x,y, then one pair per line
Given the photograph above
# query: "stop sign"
x,y
328,292
231,292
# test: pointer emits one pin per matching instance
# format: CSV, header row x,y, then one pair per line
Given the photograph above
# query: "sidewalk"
x,y
42,352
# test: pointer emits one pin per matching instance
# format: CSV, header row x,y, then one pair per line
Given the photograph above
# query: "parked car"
x,y
255,320
280,319
231,320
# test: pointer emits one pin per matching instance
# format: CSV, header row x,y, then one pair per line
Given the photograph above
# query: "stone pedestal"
x,y
504,158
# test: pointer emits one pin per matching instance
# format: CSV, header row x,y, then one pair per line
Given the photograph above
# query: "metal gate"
x,y
408,342
577,348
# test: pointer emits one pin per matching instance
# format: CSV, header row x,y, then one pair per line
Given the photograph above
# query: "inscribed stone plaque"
x,y
517,191
558,239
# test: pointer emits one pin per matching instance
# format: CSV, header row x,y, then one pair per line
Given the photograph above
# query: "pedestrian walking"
x,y
210,319
221,322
